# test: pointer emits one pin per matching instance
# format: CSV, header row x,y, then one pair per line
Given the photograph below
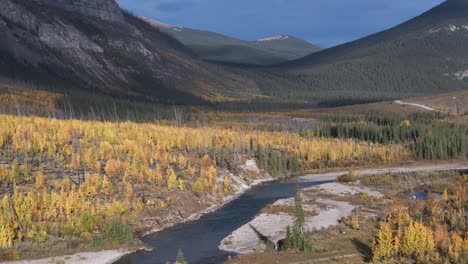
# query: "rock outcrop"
x,y
95,46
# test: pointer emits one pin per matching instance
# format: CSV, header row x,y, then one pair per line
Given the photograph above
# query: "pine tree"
x,y
297,239
287,241
299,216
180,258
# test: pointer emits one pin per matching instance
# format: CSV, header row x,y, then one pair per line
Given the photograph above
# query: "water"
x,y
199,240
419,196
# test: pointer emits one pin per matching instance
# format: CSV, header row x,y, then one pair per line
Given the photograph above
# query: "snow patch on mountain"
x,y
156,23
280,37
449,28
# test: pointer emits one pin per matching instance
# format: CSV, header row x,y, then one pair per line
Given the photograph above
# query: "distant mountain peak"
x,y
272,38
216,47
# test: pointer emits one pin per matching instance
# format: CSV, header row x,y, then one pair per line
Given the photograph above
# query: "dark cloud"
x,y
173,7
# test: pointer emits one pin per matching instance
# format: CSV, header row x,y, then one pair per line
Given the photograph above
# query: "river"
x,y
199,240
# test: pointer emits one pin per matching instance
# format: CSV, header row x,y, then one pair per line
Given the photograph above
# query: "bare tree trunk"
x,y
13,212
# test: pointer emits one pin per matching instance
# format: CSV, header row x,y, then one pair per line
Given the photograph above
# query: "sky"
x,y
323,22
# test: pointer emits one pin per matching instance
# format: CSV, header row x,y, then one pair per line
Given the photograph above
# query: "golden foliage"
x,y
113,168
383,246
135,156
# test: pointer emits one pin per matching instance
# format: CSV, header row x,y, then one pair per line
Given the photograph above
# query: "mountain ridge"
x,y
216,47
424,55
80,45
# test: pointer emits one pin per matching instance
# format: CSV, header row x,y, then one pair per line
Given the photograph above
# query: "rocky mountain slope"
x,y
92,45
220,48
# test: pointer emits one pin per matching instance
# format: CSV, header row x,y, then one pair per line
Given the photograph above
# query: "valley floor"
x,y
324,204
342,216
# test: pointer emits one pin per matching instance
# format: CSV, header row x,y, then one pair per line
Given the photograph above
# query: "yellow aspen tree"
x,y
106,187
171,178
205,162
226,185
181,185
4,175
90,158
445,195
105,150
409,240
211,177
40,180
7,234
51,149
397,240
75,161
429,250
158,176
383,247
70,203
113,168
354,221
418,240
442,239
190,170
402,218
129,192
455,247
181,161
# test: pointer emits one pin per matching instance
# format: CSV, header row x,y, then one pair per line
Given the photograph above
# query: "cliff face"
x,y
93,45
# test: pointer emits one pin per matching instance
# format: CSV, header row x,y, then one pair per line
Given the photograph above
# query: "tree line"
x,y
429,135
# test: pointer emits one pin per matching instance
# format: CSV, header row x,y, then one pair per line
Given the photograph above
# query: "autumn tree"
x,y
226,185
171,178
113,167
40,180
383,247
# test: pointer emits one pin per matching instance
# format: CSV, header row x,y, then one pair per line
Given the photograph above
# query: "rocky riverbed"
x,y
321,212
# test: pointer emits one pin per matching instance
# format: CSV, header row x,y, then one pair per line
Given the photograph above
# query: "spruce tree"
x,y
180,258
297,239
299,217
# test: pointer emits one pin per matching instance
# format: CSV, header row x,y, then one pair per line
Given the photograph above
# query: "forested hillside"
x,y
224,49
424,55
65,49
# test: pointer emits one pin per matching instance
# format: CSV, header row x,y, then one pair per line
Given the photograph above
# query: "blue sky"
x,y
323,22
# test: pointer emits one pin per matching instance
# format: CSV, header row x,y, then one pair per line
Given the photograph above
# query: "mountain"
x,y
93,46
219,48
425,55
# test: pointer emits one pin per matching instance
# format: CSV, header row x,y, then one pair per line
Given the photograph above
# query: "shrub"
x,y
350,177
40,236
378,179
198,187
